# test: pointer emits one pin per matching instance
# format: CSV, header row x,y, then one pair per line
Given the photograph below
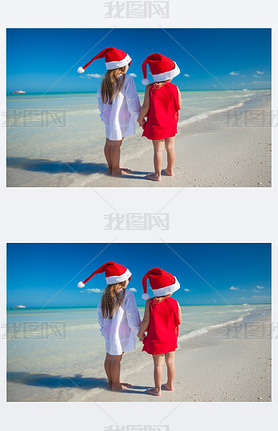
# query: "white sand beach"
x,y
222,148
211,368
209,154
229,363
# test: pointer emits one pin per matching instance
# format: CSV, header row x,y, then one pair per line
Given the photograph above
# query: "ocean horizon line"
x,y
94,92
95,306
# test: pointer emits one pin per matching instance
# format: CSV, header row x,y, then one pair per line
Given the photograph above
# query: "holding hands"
x,y
141,336
141,121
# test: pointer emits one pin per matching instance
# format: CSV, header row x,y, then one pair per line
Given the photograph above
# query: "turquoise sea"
x,y
62,132
67,340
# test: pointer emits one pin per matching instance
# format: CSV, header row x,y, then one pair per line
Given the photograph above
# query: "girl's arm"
x,y
179,98
145,322
132,313
132,99
100,104
145,107
179,313
102,322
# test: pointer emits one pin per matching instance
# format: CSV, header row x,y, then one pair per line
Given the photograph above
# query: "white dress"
x,y
120,331
120,117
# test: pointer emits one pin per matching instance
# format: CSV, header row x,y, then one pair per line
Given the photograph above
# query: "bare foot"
x,y
167,388
126,170
126,385
117,387
153,391
152,177
168,173
120,386
118,173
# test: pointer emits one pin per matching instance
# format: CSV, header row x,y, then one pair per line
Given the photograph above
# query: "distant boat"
x,y
244,89
19,92
19,306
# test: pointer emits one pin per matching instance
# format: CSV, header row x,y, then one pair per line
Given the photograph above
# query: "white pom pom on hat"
x,y
145,296
81,284
80,70
145,81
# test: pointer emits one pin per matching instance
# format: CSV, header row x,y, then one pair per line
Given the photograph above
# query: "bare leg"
x,y
171,156
158,374
107,367
115,158
115,370
171,371
157,159
127,170
107,153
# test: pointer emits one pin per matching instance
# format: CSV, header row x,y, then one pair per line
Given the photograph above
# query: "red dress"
x,y
163,329
162,118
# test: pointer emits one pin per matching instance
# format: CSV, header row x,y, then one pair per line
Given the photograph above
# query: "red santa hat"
x,y
114,58
162,282
161,67
114,273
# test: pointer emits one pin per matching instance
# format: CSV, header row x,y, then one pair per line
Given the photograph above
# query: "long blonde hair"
x,y
112,84
112,298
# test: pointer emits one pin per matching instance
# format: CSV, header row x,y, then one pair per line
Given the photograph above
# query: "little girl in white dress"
x,y
118,104
118,318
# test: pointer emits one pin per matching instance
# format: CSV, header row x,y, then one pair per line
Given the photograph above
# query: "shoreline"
x,y
209,154
224,364
211,367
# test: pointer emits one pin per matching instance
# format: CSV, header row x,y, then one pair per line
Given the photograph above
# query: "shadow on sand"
x,y
58,167
55,166
54,382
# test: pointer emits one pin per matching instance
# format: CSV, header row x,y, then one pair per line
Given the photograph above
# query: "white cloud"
x,y
234,288
133,289
259,287
234,73
186,290
186,75
259,72
93,290
91,75
133,75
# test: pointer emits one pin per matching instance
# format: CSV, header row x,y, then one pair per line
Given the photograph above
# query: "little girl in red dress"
x,y
161,322
161,105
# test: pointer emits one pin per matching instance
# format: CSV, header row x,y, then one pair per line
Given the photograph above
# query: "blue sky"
x,y
208,273
39,58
